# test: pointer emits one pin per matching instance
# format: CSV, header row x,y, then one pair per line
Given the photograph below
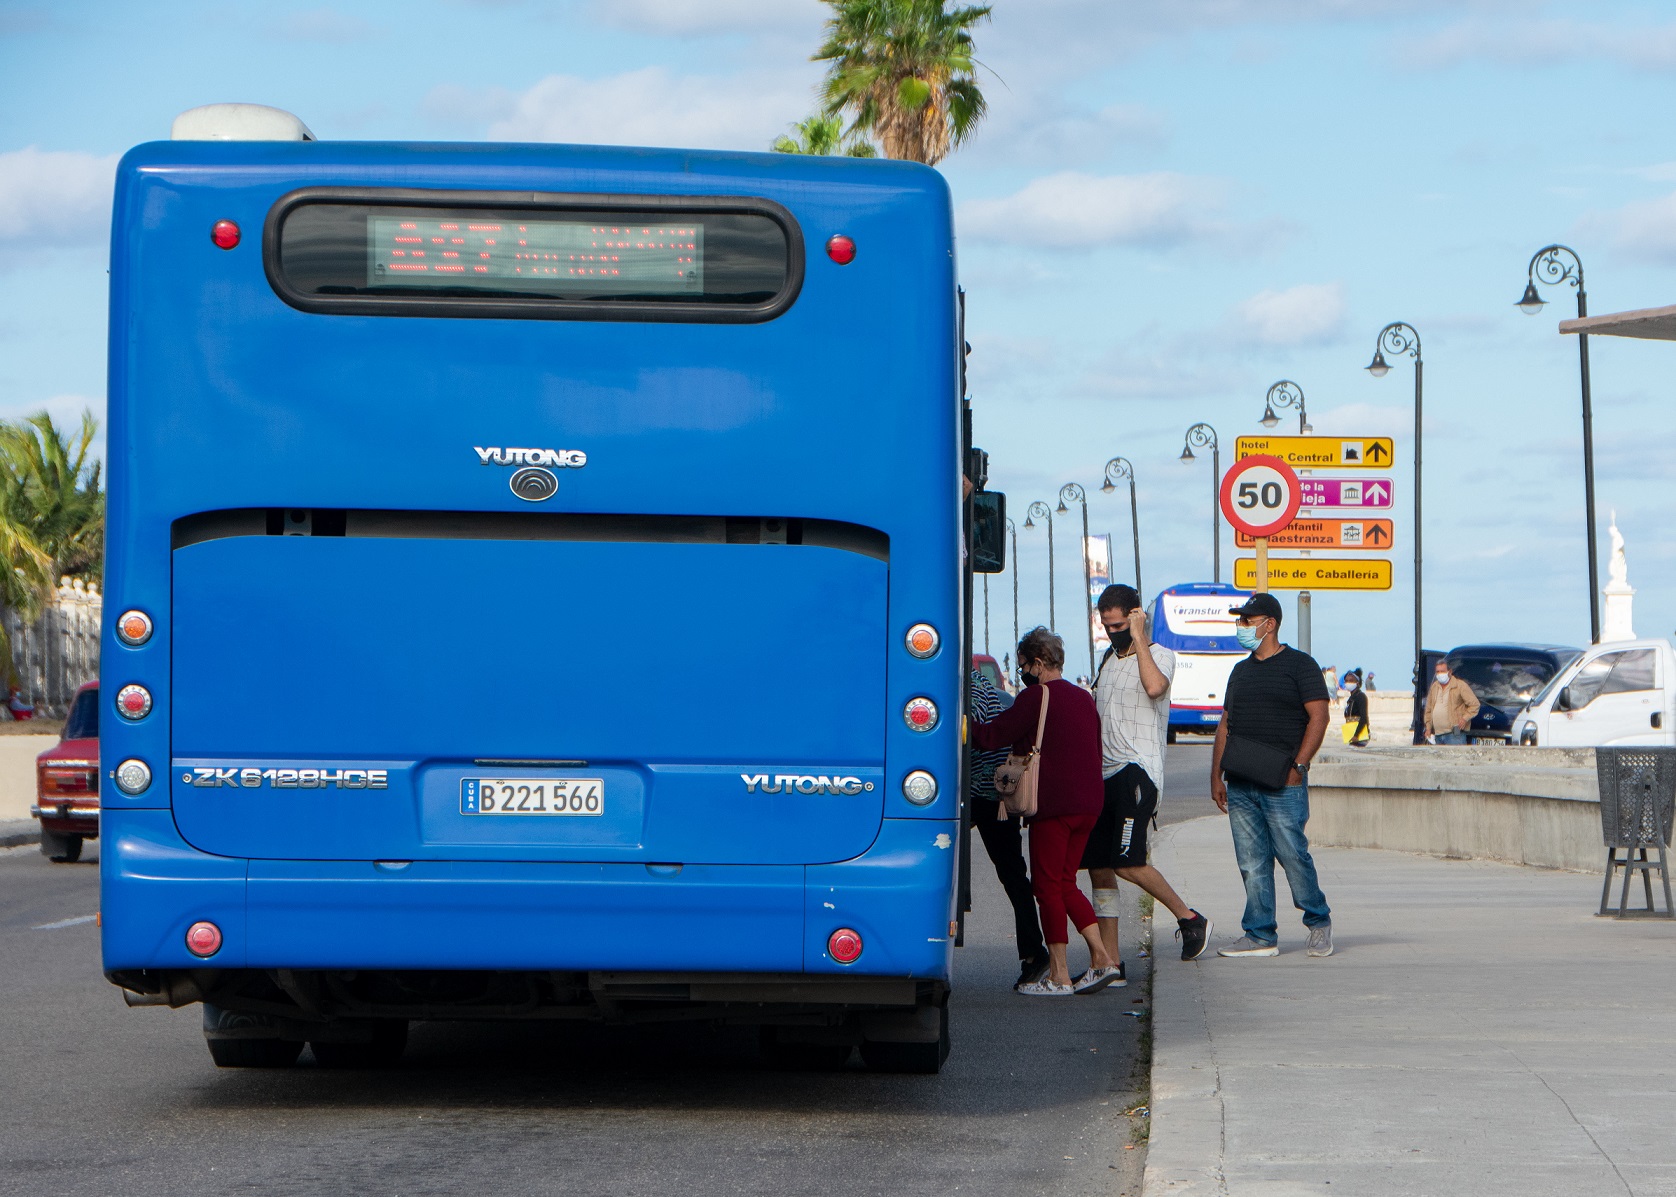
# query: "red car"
x,y
67,781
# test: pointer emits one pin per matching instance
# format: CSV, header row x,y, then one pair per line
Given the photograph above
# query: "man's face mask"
x,y
1248,637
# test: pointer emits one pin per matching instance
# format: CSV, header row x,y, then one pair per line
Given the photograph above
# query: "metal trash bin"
x,y
1637,805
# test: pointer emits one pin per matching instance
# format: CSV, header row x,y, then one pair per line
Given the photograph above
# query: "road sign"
x,y
1320,452
1307,533
1315,573
1260,495
1345,492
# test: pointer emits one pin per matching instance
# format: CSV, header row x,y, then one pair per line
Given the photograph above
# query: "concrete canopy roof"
x,y
1650,324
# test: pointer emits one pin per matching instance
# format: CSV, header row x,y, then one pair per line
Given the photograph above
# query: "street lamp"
x,y
1400,338
1204,436
1073,493
1284,394
1043,511
1012,530
1553,264
1117,469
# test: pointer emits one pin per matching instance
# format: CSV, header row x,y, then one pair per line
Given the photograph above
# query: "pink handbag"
x,y
1015,780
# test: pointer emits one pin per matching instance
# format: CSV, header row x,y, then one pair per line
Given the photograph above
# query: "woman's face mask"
x,y
1028,678
1351,684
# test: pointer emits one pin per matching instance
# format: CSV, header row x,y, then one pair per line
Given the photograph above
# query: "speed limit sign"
x,y
1260,495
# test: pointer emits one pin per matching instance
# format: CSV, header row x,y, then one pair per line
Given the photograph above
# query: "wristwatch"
x,y
1303,769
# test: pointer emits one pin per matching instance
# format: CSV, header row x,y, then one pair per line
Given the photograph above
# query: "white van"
x,y
1622,693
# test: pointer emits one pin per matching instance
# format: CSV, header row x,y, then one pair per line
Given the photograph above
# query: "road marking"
x,y
75,922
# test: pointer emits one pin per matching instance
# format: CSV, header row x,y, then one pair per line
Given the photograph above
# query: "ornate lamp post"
x,y
1073,493
1284,394
1117,469
1012,530
1551,265
1202,436
1400,338
1043,511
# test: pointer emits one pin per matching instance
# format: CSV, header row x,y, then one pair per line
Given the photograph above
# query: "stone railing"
x,y
59,650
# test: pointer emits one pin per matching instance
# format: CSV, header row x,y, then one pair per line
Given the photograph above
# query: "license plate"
x,y
532,796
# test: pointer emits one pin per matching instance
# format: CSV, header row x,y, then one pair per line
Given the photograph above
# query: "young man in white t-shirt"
x,y
1132,691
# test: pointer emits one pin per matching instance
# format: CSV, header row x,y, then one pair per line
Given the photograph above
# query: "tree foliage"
x,y
904,72
824,135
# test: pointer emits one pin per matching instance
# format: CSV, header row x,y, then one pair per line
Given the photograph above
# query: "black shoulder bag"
x,y
1254,761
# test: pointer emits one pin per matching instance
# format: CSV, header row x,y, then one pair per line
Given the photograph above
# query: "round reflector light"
x,y
840,249
920,714
133,702
133,628
920,788
133,777
225,234
844,946
923,640
203,939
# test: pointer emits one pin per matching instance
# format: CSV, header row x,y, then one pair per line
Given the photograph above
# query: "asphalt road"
x,y
1186,781
104,1099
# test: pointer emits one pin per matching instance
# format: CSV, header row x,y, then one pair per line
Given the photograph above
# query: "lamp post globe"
x,y
1118,469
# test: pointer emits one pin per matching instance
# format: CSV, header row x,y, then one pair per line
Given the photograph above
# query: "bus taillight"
x,y
923,640
844,946
920,714
203,939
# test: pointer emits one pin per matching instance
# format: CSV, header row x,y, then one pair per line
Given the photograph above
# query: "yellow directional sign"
x,y
1320,452
1315,573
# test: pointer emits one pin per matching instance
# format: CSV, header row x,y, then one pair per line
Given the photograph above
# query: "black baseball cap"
x,y
1259,604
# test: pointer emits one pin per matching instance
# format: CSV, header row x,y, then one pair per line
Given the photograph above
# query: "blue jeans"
x,y
1268,825
1449,737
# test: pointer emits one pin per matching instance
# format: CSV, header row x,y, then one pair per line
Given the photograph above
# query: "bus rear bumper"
x,y
526,916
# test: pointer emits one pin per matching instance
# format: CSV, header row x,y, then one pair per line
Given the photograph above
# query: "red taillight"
x,y
920,714
133,702
66,781
225,234
840,249
203,939
844,946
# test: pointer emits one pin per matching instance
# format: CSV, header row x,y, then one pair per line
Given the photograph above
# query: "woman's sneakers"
x,y
1096,979
1046,987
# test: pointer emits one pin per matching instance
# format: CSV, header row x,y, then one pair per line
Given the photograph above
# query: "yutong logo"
x,y
536,480
802,783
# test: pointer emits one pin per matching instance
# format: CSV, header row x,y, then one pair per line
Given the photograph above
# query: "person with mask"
x,y
1356,732
1450,707
1274,718
1003,839
1068,801
1132,691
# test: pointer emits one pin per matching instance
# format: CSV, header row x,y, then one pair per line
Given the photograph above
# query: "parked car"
x,y
1614,694
991,669
1505,677
67,781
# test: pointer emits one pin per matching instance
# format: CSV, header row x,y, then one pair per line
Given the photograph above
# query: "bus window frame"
x,y
553,202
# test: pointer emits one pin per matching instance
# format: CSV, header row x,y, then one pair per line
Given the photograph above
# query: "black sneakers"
x,y
1031,969
1193,933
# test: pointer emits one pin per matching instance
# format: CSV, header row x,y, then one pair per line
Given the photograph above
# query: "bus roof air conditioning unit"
x,y
238,122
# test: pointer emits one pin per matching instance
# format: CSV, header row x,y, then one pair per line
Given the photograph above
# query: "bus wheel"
x,y
924,1058
254,1053
1170,736
389,1041
803,1056
59,847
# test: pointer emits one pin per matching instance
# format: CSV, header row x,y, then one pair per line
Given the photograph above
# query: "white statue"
x,y
1617,622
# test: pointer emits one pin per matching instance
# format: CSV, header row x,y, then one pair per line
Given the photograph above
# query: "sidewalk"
x,y
1479,1033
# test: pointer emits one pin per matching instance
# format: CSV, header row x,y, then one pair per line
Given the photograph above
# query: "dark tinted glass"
x,y
83,721
1632,671
538,255
1505,684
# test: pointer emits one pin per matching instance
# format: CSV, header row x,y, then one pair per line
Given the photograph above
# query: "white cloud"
x,y
1035,126
1643,229
651,106
1542,43
1307,314
1072,210
322,25
699,17
55,197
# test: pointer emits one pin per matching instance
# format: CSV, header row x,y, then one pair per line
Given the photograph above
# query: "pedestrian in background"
x,y
1274,718
1132,692
1450,707
1068,800
1003,839
1356,731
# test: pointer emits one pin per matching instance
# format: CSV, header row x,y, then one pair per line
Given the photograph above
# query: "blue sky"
x,y
1172,205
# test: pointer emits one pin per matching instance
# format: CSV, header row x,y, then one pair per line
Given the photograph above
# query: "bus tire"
x,y
795,1056
1170,736
60,847
383,1050
254,1053
925,1059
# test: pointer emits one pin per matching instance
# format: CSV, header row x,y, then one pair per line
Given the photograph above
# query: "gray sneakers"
x,y
1246,946
1321,940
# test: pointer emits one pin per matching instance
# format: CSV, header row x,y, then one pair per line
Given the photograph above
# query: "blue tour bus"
x,y
537,590
1192,620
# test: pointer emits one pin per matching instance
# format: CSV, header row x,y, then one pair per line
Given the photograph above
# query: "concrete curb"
x,y
15,833
1187,1140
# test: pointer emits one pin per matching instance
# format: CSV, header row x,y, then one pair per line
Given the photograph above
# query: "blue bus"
x,y
537,590
1192,620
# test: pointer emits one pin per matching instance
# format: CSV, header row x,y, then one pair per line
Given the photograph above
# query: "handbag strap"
x,y
1041,720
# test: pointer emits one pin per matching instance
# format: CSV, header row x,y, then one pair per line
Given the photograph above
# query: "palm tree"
x,y
904,71
823,135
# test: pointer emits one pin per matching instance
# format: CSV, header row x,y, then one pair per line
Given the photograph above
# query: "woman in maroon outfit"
x,y
1069,795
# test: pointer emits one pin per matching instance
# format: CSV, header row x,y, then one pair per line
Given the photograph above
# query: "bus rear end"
x,y
1192,620
494,517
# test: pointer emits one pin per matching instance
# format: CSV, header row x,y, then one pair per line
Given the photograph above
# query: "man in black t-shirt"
x,y
1276,701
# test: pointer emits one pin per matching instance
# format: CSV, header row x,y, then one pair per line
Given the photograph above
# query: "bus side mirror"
x,y
989,532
